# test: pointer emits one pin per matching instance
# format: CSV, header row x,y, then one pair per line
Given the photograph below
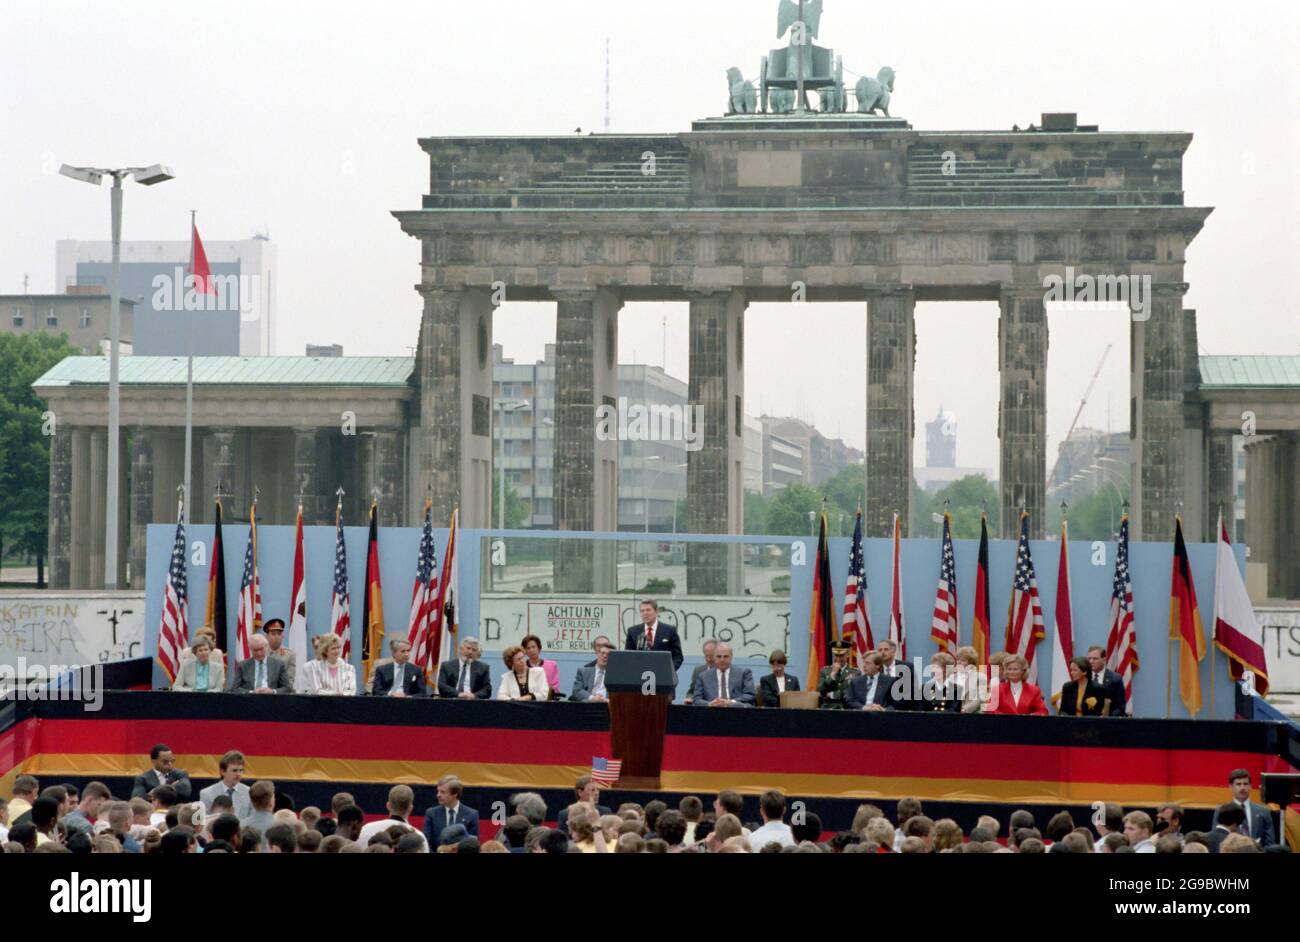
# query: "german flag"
x,y
822,631
979,638
372,617
215,617
1185,624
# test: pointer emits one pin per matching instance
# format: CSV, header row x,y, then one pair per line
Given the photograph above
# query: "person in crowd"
x,y
834,679
1236,844
671,828
82,817
45,815
940,694
449,811
907,809
465,676
774,830
521,682
971,678
587,790
118,815
261,673
778,682
1137,831
1110,682
653,635
806,827
707,651
231,766
1059,825
725,685
399,677
1169,822
531,805
281,839
273,628
947,834
1013,695
1229,819
262,797
583,831
532,646
1259,820
328,674
1081,695
26,789
162,771
401,801
164,799
589,684
692,809
1109,821
871,689
201,673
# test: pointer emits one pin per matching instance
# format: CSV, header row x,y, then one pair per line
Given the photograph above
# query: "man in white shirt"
x,y
400,802
1137,831
772,807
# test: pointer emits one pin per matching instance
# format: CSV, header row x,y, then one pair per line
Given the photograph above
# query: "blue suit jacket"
x,y
1261,824
739,679
435,820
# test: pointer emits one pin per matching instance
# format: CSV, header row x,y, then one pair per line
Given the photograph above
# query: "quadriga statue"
x,y
873,93
744,99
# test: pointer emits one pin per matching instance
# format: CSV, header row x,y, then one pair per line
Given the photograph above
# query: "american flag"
x,y
1025,616
250,594
944,627
425,596
604,772
340,619
1121,643
856,627
174,633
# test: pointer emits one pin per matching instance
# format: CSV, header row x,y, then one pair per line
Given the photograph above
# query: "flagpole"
x,y
189,368
1214,629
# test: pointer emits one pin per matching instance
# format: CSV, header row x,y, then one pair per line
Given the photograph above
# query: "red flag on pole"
x,y
200,271
897,630
297,640
1063,650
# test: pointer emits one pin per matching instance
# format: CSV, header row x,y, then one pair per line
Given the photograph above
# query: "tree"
x,y
787,512
25,444
755,513
1095,517
967,498
518,513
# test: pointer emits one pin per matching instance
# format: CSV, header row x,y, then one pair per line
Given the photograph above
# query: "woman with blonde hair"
x,y
521,682
187,653
1013,694
969,678
328,674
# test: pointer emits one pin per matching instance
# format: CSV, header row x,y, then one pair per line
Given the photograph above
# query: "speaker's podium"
x,y
641,684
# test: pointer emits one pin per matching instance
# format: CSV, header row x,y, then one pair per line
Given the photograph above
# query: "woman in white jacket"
x,y
521,682
328,674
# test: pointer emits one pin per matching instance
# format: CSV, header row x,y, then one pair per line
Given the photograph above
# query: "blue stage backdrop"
x,y
1091,572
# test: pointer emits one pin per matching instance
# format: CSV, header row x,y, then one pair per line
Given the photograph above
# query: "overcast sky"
x,y
302,120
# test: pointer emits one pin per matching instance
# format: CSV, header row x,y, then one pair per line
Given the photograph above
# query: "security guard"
x,y
834,679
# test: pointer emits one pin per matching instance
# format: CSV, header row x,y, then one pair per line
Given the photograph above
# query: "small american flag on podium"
x,y
604,772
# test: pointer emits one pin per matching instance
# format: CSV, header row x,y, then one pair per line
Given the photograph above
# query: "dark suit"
x,y
666,639
435,821
942,697
1214,838
1092,691
411,680
1112,686
767,687
146,782
901,694
740,683
856,698
480,679
1261,824
277,676
562,819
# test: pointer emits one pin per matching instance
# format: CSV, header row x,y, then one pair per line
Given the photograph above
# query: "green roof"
x,y
1250,371
234,371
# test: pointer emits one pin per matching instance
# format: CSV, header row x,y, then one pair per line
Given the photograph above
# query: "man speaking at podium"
x,y
650,635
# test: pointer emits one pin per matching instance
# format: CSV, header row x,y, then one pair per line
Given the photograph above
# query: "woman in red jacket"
x,y
1013,695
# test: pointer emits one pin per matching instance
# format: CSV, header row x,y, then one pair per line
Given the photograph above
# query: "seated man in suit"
x,y
465,677
1258,823
652,635
699,669
725,685
261,673
870,691
449,812
1110,682
589,685
231,766
778,682
399,677
163,772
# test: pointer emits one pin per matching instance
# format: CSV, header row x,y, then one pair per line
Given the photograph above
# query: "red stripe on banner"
x,y
17,743
325,740
953,760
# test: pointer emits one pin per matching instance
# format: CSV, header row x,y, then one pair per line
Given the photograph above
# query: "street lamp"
x,y
148,176
503,406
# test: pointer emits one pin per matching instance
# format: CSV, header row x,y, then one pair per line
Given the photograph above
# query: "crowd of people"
x,y
163,815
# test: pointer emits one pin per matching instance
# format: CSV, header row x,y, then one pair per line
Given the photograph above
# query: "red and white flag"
x,y
200,271
897,630
1121,640
297,640
174,634
424,597
1236,631
250,594
943,628
1063,649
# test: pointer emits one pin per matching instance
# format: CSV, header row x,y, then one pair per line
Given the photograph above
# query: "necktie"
x,y
464,669
723,690
649,638
451,817
230,793
871,689
260,680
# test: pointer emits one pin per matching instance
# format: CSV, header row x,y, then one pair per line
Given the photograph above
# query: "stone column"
x,y
59,554
1221,482
1158,354
1022,409
715,460
80,499
98,506
891,361
219,459
307,482
585,468
1272,511
142,487
381,464
453,437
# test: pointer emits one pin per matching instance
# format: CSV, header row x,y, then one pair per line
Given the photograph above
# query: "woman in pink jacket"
x,y
532,646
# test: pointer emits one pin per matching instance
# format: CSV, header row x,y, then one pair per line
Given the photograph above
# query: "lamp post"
x,y
147,176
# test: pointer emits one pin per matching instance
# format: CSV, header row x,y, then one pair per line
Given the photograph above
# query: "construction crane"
x,y
1078,412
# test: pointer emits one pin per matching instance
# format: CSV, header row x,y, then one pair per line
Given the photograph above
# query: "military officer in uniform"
x,y
833,680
